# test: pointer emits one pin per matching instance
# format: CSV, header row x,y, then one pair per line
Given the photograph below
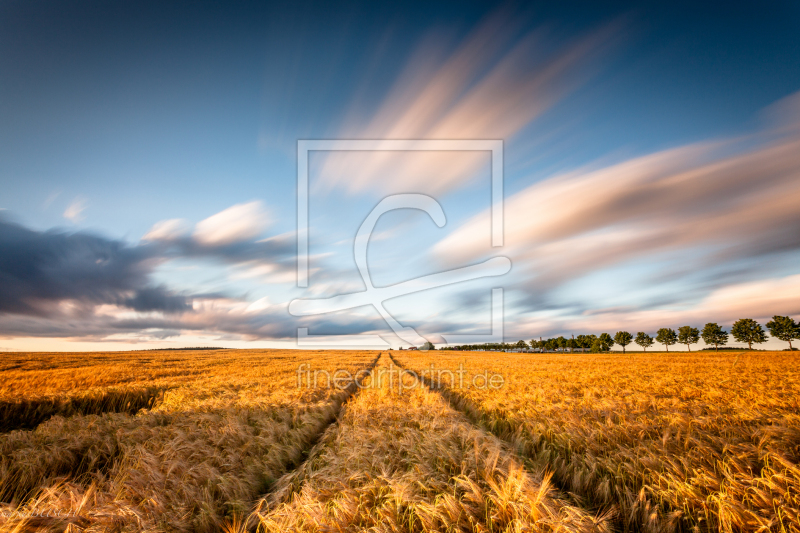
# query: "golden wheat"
x,y
673,442
231,440
212,446
408,462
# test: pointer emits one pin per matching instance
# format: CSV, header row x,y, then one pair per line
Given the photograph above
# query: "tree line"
x,y
744,330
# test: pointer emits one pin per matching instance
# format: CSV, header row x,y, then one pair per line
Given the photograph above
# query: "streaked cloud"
x,y
168,230
240,222
760,299
493,85
83,286
48,273
50,199
74,211
713,203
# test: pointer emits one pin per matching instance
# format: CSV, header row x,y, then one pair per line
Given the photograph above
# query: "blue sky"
x,y
148,166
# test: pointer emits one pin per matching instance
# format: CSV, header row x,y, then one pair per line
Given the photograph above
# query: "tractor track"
x,y
315,444
482,420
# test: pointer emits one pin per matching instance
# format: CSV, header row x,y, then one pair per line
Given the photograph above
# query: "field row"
x,y
204,454
311,441
409,462
690,442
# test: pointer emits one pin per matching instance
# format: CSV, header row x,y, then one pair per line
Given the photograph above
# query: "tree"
x,y
572,344
428,346
597,346
562,343
644,340
713,334
667,337
749,331
521,345
606,341
623,338
688,335
582,342
784,328
590,340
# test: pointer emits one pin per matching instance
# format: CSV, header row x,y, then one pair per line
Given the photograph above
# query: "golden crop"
x,y
228,425
410,462
677,442
255,440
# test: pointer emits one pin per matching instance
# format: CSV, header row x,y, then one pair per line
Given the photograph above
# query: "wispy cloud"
x,y
168,230
714,202
50,199
492,86
232,236
759,299
74,212
240,222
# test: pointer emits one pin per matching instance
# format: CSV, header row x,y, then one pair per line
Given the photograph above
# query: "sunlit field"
x,y
665,442
219,428
403,441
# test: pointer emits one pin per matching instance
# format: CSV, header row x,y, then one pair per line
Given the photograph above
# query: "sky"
x,y
149,168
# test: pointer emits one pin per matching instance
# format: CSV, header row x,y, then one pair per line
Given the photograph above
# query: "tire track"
x,y
296,468
508,434
401,458
306,437
350,391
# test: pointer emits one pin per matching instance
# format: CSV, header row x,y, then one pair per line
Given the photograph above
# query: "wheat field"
x,y
400,441
666,442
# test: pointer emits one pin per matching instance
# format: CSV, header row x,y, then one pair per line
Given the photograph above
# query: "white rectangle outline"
x,y
304,146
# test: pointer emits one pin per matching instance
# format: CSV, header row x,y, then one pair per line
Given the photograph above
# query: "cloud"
x,y
759,299
78,285
83,286
492,86
270,272
271,259
230,236
157,299
709,203
50,199
168,230
240,222
74,212
224,316
41,272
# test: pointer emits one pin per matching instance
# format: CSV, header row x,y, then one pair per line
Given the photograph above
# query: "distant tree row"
x,y
745,330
